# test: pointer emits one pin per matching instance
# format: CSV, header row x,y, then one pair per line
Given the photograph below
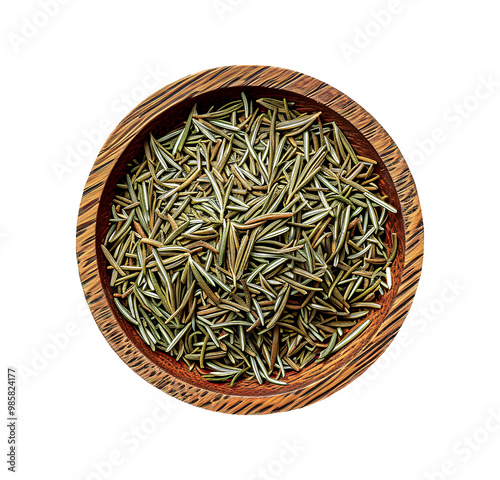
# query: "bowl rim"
x,y
241,76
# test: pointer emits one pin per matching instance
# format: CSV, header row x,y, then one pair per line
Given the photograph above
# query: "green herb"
x,y
249,241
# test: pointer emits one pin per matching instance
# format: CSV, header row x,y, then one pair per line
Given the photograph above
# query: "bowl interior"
x,y
171,118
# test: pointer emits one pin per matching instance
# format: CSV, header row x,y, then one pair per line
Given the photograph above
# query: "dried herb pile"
x,y
249,241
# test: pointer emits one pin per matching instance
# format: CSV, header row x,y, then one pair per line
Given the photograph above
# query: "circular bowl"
x,y
166,109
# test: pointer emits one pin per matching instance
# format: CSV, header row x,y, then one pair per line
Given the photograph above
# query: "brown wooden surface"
x,y
162,111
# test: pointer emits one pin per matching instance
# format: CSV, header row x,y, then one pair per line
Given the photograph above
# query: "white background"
x,y
429,408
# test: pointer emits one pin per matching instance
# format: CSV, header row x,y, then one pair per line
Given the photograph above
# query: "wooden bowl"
x,y
164,110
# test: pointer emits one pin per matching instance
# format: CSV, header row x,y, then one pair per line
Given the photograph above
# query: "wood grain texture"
x,y
164,110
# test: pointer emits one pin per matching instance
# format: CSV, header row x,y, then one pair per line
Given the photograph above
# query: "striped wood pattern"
x,y
160,112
